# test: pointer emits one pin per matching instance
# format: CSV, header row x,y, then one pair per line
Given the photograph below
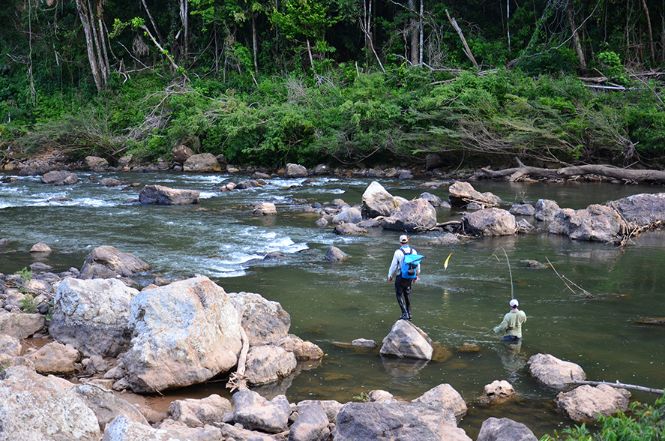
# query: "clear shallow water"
x,y
332,303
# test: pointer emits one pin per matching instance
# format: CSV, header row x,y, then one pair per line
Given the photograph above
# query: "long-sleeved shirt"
x,y
512,323
398,258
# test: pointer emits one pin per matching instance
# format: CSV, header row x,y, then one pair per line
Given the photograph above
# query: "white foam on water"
x,y
328,191
207,194
212,179
238,258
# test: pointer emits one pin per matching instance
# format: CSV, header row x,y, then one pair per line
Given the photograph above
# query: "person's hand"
x,y
496,330
416,279
390,279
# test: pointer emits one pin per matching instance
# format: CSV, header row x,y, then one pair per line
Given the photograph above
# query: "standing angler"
x,y
512,323
405,274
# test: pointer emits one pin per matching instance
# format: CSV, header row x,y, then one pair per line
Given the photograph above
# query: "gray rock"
x,y
444,397
446,239
55,358
490,222
95,163
161,195
334,254
295,171
321,169
407,340
434,200
311,424
34,407
380,396
202,163
256,413
123,429
641,209
40,247
107,262
553,372
303,350
264,209
20,325
350,230
60,177
10,347
264,321
267,364
405,174
598,223
585,404
110,182
363,343
395,421
504,429
93,315
498,391
523,226
40,267
546,209
370,223
106,405
415,215
235,433
198,413
522,210
349,215
322,222
462,193
376,201
330,407
184,333
181,153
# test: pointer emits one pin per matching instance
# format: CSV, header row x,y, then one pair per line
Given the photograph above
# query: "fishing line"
x,y
510,272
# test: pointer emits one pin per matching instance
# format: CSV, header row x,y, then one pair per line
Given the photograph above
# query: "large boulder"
x,y
330,407
585,404
34,407
406,340
108,262
349,215
20,325
264,321
181,153
95,163
256,413
10,347
93,315
295,171
462,193
184,333
598,223
161,195
522,210
198,413
267,364
60,177
396,421
55,358
376,201
641,210
504,429
106,405
202,163
415,215
310,425
444,397
350,230
546,209
490,222
555,373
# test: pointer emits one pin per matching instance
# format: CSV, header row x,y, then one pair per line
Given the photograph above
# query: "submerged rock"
x,y
93,315
202,163
462,193
504,429
256,413
415,215
161,195
406,340
585,404
60,177
184,333
108,262
555,373
490,222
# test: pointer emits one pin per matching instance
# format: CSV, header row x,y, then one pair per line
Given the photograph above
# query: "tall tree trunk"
x,y
465,45
83,9
152,21
421,32
508,24
576,38
184,18
255,44
652,49
413,32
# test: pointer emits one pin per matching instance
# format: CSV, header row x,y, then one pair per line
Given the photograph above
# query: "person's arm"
x,y
502,326
393,265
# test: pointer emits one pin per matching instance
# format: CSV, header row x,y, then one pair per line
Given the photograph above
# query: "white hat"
x,y
514,303
403,238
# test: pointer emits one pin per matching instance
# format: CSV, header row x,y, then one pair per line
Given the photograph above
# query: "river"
x,y
331,303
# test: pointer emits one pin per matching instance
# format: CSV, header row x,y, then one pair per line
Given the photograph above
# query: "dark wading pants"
x,y
403,293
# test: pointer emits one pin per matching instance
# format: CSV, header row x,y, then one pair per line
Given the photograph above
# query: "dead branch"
x,y
566,281
621,386
467,49
237,380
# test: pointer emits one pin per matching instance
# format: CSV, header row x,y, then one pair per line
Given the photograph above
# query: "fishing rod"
x,y
510,272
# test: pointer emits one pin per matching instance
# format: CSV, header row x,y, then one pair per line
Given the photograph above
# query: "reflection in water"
x,y
402,369
511,358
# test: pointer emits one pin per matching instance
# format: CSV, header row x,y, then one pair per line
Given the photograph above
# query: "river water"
x,y
332,304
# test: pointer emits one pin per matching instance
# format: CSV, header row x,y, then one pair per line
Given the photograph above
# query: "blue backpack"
x,y
410,262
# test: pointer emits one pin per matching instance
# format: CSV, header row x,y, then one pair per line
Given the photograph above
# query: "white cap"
x,y
514,303
403,238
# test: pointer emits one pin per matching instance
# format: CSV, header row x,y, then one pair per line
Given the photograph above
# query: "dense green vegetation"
x,y
334,80
645,423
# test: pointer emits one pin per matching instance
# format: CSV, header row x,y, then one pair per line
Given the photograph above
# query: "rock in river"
x,y
415,215
95,163
552,372
40,247
264,321
93,315
504,429
295,171
310,425
462,193
181,153
267,364
445,398
598,223
334,254
256,413
350,230
197,413
160,195
546,209
184,333
202,163
60,177
406,340
376,201
585,404
107,262
264,209
490,222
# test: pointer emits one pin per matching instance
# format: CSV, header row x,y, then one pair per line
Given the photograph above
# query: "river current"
x,y
332,304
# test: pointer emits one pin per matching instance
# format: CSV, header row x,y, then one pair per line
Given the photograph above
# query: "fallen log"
x,y
524,171
621,386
